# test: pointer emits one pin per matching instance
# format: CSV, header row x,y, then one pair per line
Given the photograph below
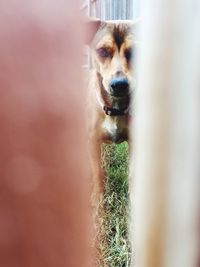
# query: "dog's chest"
x,y
115,128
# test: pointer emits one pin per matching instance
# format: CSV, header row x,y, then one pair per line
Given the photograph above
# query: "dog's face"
x,y
112,54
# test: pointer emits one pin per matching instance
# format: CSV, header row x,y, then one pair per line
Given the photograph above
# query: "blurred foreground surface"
x,y
43,175
166,203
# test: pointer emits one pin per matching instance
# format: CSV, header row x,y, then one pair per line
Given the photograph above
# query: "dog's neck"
x,y
113,106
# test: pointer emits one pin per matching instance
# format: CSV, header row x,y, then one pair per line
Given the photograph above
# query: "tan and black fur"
x,y
112,48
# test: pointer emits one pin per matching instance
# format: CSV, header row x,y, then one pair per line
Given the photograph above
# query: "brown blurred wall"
x,y
43,163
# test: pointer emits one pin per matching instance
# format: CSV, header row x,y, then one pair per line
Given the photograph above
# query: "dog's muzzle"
x,y
119,87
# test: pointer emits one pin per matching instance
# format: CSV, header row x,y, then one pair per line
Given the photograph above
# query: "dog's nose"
x,y
119,87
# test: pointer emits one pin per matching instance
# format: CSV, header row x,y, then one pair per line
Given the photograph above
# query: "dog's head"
x,y
112,54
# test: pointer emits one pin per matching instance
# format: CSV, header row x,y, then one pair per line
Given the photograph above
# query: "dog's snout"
x,y
119,87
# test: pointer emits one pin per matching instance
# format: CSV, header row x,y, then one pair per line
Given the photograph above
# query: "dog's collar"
x,y
112,111
115,112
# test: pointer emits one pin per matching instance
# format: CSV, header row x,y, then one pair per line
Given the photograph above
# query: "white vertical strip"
x,y
151,135
102,3
109,9
120,9
182,236
136,5
98,9
167,136
89,8
125,9
112,11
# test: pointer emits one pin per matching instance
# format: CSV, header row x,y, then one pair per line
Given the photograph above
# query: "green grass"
x,y
113,245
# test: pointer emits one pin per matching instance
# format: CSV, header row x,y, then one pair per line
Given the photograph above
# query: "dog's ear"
x,y
91,27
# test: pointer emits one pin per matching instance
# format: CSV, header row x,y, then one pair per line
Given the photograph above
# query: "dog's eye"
x,y
104,52
129,54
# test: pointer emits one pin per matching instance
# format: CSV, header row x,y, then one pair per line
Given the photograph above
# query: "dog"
x,y
112,83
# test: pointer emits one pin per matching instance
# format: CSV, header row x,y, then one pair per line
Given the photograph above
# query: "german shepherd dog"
x,y
111,86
